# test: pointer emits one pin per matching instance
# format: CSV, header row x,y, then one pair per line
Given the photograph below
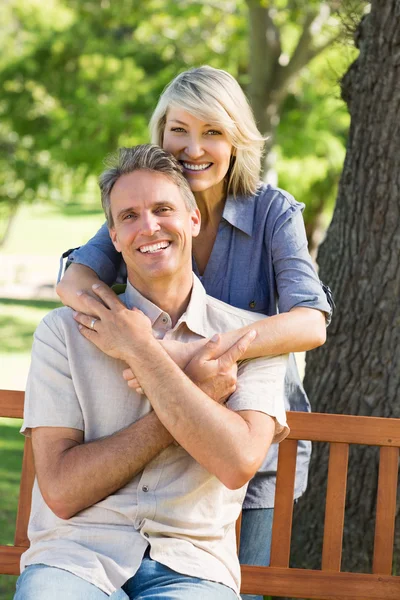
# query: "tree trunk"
x,y
358,369
6,230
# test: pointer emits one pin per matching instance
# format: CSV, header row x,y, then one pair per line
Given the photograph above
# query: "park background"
x,y
80,78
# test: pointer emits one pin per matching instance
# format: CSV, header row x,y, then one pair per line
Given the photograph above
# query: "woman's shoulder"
x,y
269,196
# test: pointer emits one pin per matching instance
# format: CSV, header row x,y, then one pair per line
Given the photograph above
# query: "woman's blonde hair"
x,y
214,96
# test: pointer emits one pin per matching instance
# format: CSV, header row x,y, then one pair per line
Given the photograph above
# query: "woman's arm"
x,y
299,330
76,277
94,261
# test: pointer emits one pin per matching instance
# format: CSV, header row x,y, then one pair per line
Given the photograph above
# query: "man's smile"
x,y
155,247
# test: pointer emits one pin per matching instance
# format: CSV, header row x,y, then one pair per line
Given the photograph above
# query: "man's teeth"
x,y
196,167
154,247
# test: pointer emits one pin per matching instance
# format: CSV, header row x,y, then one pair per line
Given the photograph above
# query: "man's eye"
x,y
163,209
129,216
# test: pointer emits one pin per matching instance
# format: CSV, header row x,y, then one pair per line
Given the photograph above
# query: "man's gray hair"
x,y
146,157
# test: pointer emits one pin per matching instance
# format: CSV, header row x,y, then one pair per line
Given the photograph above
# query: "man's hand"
x,y
112,327
214,373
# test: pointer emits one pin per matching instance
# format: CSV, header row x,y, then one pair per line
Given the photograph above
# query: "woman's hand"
x,y
112,327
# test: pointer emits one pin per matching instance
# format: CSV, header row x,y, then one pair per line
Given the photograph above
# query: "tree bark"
x,y
358,370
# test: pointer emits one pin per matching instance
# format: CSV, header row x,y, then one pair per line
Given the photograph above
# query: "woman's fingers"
x,y
132,381
127,374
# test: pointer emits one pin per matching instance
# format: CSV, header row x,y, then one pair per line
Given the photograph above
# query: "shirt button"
x,y
145,488
164,320
146,535
252,304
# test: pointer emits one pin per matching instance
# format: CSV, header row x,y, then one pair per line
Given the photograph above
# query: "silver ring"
x,y
92,323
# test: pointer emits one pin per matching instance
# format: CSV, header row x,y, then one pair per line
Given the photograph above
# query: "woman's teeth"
x,y
154,247
191,167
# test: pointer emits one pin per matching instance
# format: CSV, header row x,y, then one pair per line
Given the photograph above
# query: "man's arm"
x,y
230,445
74,475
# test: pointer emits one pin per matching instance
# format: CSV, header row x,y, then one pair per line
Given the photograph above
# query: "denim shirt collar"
x,y
239,212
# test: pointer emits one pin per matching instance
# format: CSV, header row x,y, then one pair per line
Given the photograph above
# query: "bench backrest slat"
x,y
334,507
348,429
25,496
385,510
284,496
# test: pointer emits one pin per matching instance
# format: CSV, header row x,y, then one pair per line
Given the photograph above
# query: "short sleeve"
x,y
260,387
296,279
100,255
50,397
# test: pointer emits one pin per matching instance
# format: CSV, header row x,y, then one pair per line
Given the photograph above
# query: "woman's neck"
x,y
211,206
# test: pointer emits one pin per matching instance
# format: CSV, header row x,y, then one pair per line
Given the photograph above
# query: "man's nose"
x,y
149,224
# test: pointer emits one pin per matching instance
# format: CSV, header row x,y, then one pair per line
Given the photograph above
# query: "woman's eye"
x,y
177,129
214,132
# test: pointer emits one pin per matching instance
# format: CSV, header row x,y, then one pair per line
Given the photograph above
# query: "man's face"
x,y
152,229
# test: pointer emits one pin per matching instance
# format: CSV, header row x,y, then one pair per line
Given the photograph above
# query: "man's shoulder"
x,y
229,316
56,321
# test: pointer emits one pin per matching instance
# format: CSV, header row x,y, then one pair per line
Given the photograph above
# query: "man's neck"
x,y
171,296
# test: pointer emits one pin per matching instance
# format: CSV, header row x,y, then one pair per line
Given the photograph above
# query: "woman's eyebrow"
x,y
185,124
178,121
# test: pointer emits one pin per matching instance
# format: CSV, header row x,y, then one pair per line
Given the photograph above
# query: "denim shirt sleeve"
x,y
296,279
100,255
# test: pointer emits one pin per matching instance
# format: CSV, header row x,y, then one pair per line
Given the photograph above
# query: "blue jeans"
x,y
152,581
255,539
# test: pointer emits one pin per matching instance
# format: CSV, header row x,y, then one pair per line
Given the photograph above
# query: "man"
x,y
137,496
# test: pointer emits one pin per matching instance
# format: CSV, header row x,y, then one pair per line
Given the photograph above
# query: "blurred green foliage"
x,y
81,77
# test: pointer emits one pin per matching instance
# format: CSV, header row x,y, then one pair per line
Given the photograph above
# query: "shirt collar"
x,y
194,316
239,212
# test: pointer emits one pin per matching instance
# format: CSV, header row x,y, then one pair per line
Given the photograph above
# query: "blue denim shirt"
x,y
259,262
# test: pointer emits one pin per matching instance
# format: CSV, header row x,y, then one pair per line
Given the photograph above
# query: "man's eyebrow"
x,y
132,209
125,211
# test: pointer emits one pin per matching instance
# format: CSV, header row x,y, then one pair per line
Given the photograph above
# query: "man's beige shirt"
x,y
186,514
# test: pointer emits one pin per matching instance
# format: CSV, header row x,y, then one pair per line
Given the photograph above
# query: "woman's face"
x,y
203,149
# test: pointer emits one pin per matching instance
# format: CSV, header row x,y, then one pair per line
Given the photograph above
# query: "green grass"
x,y
18,321
11,446
48,230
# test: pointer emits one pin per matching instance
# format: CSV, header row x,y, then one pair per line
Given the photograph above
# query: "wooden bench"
x,y
279,579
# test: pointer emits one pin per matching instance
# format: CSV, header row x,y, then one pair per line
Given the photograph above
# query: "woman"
x,y
251,251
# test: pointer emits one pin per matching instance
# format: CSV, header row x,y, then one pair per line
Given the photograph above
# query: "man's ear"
x,y
114,239
196,222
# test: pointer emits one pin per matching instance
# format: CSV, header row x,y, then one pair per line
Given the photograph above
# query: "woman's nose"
x,y
194,148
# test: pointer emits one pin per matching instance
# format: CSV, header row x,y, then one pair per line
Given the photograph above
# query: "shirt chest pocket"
x,y
254,298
